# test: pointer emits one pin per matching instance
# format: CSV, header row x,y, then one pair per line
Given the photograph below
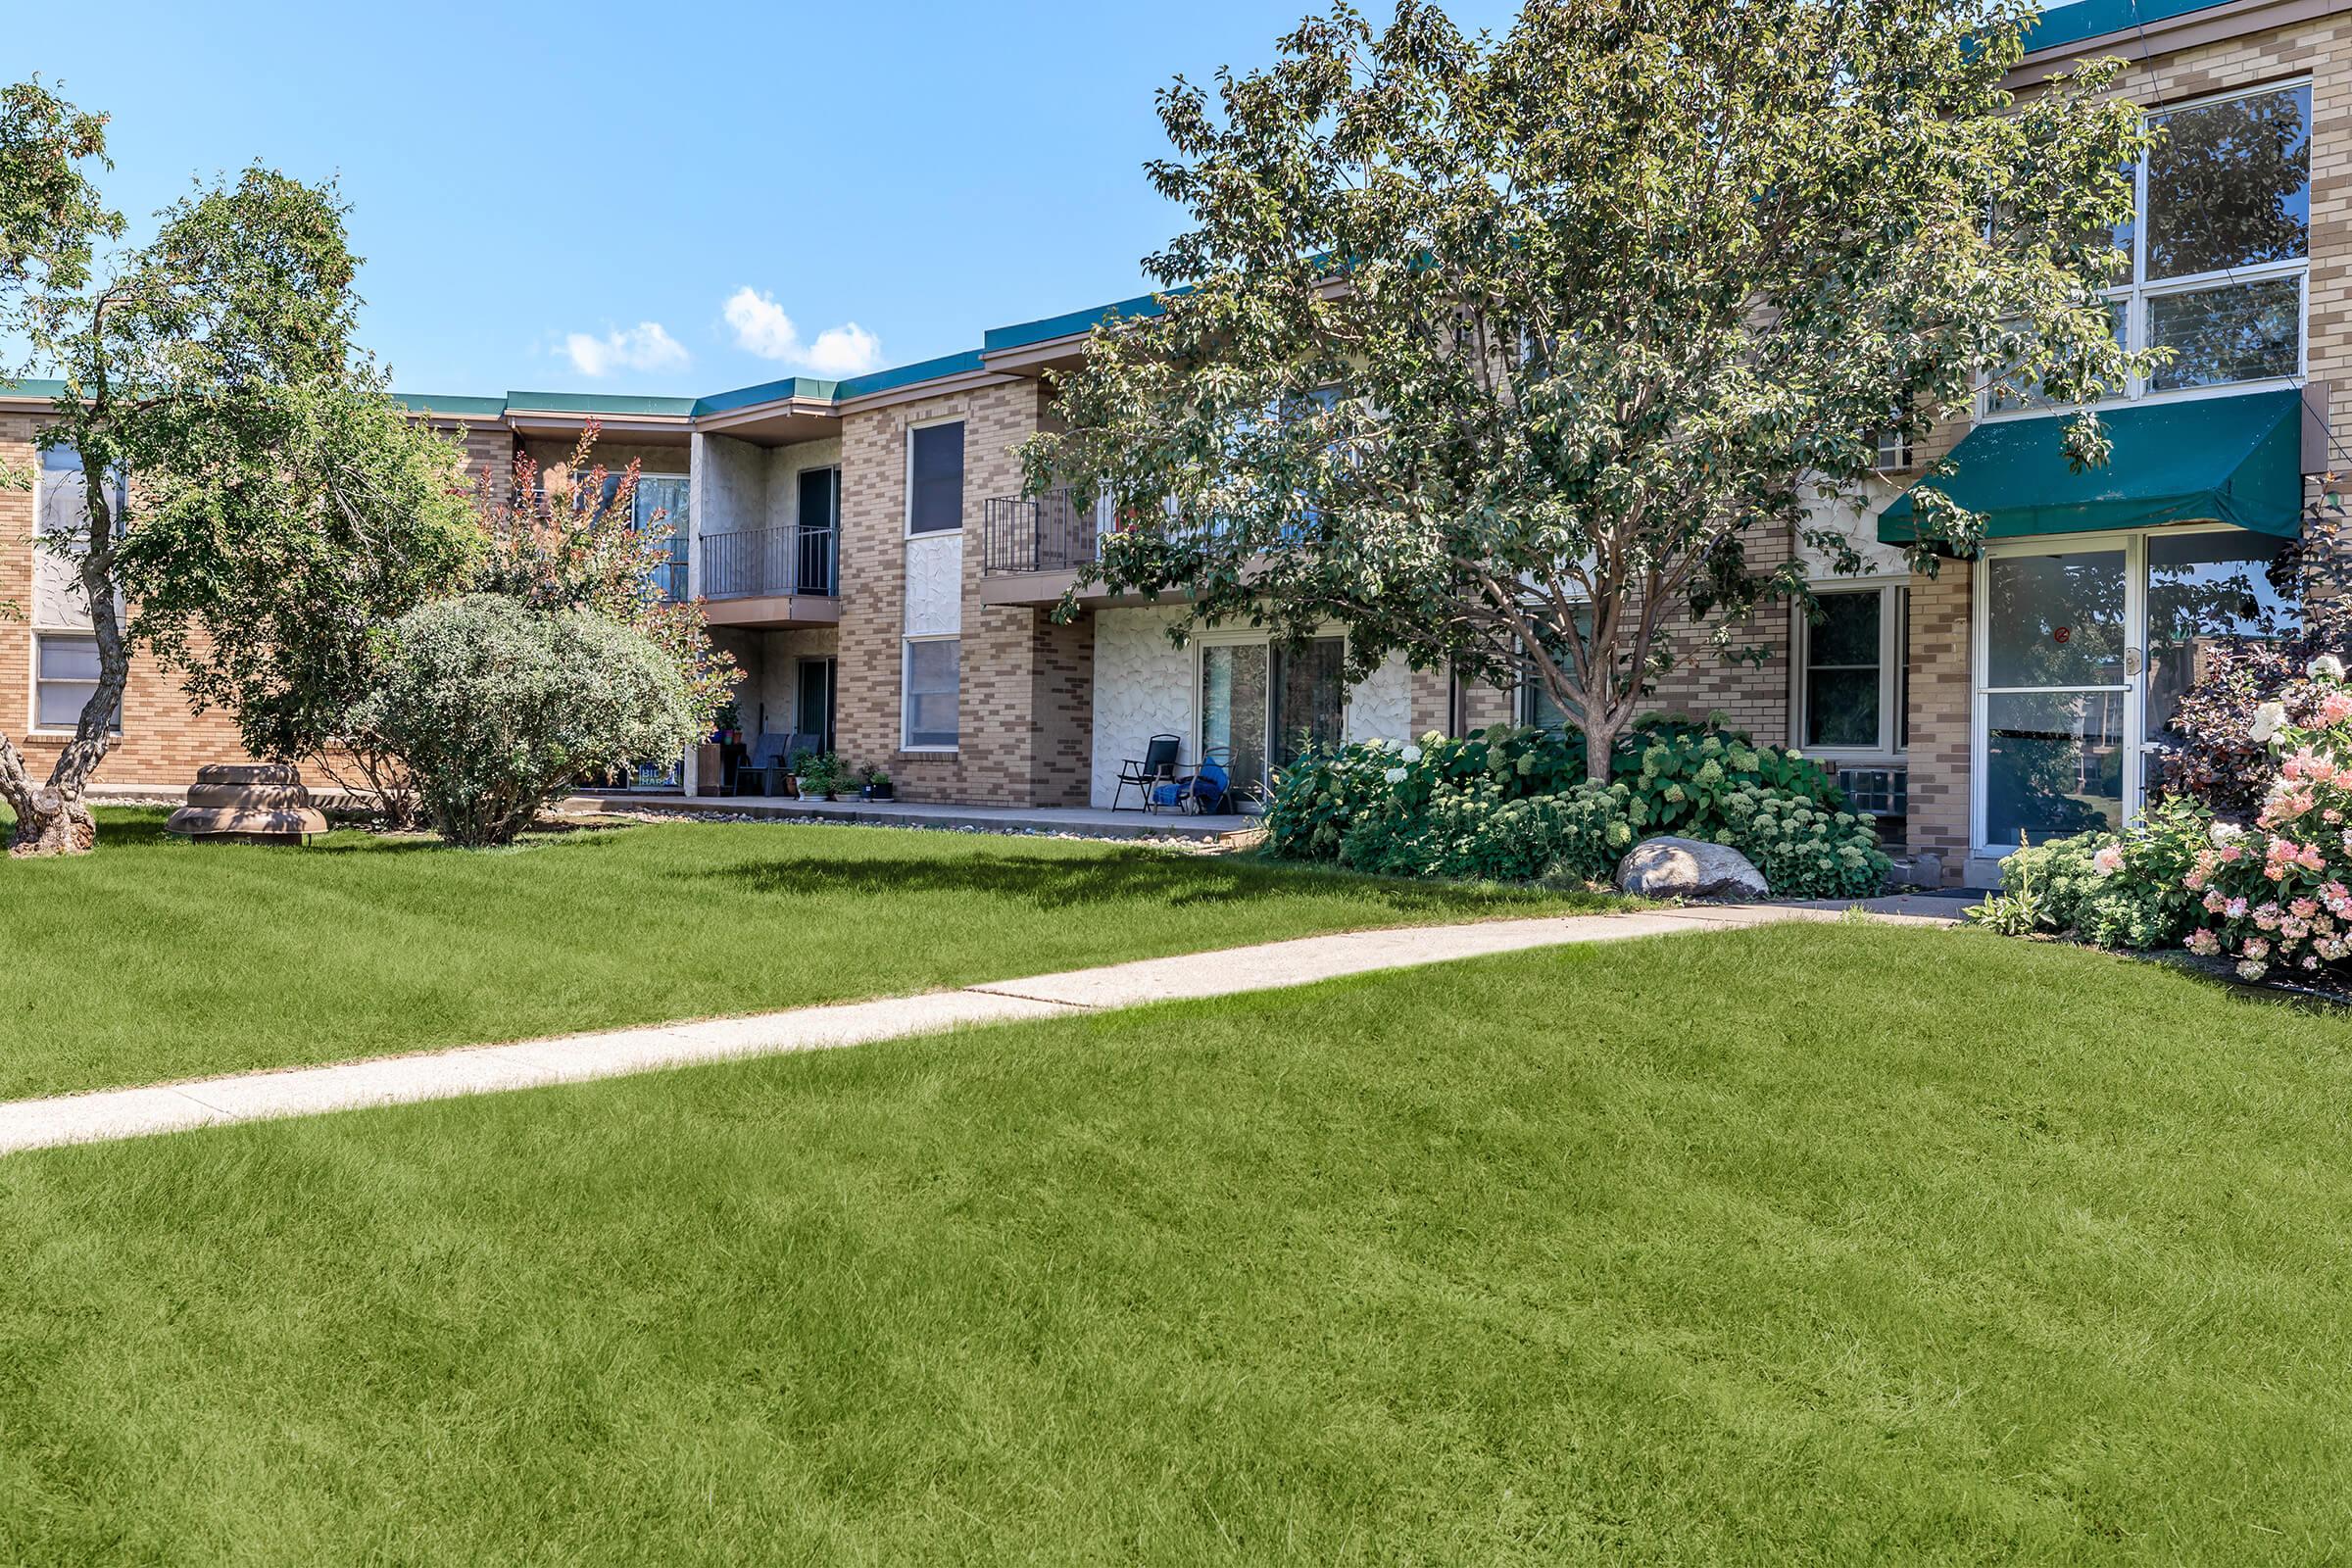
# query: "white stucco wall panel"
x,y
934,584
1381,708
1142,687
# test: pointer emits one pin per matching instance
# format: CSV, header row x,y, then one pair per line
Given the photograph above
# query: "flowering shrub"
x,y
2275,895
2245,685
1805,849
1513,803
2113,891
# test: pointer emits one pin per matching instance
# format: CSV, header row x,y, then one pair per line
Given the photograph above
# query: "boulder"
x,y
1689,869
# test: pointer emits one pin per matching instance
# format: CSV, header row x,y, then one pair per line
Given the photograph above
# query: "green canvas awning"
x,y
2236,459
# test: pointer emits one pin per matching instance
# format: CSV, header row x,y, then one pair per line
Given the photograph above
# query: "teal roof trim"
x,y
595,403
1068,324
2062,24
455,407
946,365
31,387
791,386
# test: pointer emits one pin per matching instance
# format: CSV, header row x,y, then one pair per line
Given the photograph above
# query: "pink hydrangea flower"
x,y
2109,860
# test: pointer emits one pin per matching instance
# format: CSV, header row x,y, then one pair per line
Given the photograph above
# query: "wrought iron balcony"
x,y
1049,532
771,562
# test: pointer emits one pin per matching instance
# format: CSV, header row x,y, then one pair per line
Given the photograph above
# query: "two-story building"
x,y
863,549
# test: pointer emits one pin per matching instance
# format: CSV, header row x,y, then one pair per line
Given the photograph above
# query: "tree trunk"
x,y
50,819
1600,751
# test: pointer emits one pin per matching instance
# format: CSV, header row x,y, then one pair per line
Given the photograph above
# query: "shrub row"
x,y
1513,803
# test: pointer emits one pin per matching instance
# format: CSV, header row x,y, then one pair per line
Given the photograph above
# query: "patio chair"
x,y
1145,775
1204,791
769,760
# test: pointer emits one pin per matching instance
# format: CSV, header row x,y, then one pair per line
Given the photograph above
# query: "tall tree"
x,y
267,561
1498,351
170,353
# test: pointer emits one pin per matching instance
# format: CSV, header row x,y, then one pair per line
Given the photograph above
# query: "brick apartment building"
x,y
863,549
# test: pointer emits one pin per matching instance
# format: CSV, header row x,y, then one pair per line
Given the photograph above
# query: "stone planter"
x,y
248,804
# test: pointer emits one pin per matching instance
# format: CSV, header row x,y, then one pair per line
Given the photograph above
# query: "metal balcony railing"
x,y
760,562
1049,532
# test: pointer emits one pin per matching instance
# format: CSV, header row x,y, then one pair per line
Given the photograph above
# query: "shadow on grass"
x,y
1119,878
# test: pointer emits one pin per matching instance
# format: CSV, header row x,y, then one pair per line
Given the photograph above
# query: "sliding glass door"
x,y
1267,704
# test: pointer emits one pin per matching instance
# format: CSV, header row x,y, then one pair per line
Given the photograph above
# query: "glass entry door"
x,y
2086,652
2057,670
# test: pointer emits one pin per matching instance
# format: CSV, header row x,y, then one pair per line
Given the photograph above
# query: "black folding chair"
x,y
1157,766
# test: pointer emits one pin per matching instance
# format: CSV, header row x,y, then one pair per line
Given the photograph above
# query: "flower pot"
x,y
878,792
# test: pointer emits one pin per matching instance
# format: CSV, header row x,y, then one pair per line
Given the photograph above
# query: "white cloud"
x,y
643,347
761,327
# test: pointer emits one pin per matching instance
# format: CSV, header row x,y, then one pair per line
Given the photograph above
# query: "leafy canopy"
x,y
1498,351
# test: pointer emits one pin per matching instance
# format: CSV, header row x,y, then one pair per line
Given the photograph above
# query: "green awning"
x,y
2236,459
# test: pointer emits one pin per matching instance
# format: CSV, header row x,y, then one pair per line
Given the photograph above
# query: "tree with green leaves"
x,y
1499,351
266,558
179,359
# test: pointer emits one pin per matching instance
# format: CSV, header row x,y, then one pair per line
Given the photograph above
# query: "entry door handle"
x,y
2134,660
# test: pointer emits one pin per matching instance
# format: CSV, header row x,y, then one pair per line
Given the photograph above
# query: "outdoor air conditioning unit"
x,y
1877,791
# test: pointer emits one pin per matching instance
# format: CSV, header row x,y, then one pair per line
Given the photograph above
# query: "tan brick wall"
x,y
1024,714
162,743
1939,709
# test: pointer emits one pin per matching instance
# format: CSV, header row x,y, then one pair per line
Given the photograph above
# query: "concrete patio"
x,y
1084,821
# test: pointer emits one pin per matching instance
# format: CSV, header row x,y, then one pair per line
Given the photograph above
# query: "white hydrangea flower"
x,y
2327,667
1412,753
2267,722
1394,775
2224,832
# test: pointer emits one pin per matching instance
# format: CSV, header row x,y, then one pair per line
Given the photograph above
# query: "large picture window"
x,y
935,479
931,685
2217,249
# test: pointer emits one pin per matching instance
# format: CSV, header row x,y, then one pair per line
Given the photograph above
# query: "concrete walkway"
x,y
119,1113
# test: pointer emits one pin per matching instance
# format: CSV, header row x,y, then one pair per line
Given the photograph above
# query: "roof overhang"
x,y
2138,36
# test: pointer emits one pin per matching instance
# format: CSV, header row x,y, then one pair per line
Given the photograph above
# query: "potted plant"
x,y
877,785
819,775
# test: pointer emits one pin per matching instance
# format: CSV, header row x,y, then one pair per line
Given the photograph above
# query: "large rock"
x,y
1689,869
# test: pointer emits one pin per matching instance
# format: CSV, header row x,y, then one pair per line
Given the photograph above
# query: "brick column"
x,y
1940,711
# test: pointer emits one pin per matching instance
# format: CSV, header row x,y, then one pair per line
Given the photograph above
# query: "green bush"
x,y
2128,890
1804,848
498,709
1513,803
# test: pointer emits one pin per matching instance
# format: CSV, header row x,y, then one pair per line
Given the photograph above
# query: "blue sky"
x,y
688,198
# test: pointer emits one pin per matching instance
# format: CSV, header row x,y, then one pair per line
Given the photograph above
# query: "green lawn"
x,y
1831,1244
155,959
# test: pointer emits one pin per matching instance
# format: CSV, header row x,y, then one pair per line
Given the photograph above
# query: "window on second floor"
x,y
2218,248
59,491
935,479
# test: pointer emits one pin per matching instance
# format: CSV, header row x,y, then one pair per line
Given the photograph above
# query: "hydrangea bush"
x,y
1512,804
2277,894
2272,896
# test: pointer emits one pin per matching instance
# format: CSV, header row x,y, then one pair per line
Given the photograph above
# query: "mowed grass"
x,y
155,959
1832,1244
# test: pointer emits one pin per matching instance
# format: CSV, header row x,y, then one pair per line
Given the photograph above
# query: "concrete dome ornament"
x,y
260,802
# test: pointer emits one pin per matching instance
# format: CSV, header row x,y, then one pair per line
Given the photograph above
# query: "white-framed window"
x,y
930,683
1894,451
1850,673
935,478
2218,248
65,678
